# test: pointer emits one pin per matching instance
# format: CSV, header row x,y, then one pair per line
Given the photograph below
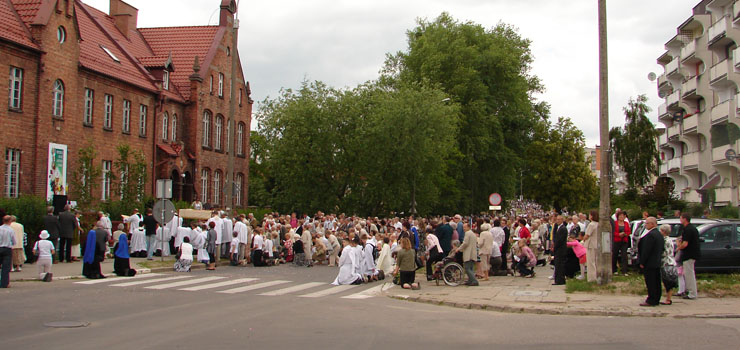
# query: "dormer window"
x,y
112,56
166,80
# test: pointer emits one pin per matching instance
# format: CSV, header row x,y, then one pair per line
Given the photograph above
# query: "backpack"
x,y
375,251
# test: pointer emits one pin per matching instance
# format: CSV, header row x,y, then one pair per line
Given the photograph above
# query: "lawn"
x,y
715,285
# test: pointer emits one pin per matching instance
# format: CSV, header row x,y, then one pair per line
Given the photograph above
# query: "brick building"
x,y
79,76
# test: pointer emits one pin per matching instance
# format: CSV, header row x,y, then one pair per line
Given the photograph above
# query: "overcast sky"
x,y
344,42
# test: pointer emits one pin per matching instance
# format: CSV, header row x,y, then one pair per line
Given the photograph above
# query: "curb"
x,y
77,277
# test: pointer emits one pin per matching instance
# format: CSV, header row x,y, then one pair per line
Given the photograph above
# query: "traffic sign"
x,y
494,199
494,207
163,211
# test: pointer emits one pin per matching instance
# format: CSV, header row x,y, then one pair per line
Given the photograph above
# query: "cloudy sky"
x,y
344,42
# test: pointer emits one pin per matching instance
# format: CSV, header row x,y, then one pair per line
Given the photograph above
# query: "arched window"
x,y
174,127
165,124
240,139
217,187
57,108
219,132
204,185
206,129
239,186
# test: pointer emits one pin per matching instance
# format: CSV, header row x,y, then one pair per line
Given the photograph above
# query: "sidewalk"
x,y
63,271
538,296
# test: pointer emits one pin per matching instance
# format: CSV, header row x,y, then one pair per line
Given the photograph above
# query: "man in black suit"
x,y
67,227
51,225
650,249
560,250
444,233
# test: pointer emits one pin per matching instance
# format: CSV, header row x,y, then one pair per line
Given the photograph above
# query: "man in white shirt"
x,y
258,245
132,221
226,231
242,231
498,233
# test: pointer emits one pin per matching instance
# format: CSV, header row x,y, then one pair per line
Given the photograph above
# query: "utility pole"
x,y
604,239
229,188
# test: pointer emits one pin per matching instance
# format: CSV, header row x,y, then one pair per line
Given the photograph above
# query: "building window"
x,y
240,97
210,84
229,146
217,188
110,53
240,139
142,120
108,114
218,128
61,35
57,107
165,123
166,80
174,127
204,185
206,129
107,165
238,185
12,170
15,88
126,116
220,85
87,118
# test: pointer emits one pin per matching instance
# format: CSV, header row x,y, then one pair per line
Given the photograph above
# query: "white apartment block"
x,y
701,111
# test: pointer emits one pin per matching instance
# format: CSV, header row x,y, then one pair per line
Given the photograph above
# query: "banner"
x,y
57,171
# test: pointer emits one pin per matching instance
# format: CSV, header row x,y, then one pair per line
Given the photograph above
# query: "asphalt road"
x,y
295,314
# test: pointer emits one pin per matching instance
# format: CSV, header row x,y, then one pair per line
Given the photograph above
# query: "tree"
x,y
260,180
84,181
556,171
486,71
129,184
634,146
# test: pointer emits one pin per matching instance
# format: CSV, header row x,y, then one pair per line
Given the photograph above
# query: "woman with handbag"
x,y
668,272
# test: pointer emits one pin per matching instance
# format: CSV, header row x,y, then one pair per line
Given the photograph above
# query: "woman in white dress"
x,y
348,265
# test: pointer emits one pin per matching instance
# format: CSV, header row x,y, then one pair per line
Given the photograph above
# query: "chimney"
x,y
226,18
125,16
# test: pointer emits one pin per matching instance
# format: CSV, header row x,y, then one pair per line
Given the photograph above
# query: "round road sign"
x,y
163,211
494,199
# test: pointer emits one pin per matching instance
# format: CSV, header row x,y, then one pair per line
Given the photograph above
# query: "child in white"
x,y
234,250
44,249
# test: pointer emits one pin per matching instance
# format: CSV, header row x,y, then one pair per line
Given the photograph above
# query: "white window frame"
x,y
217,187
228,134
61,34
126,116
15,88
57,104
174,127
204,185
12,172
206,129
105,187
218,132
108,112
240,139
166,80
142,120
165,125
89,105
220,85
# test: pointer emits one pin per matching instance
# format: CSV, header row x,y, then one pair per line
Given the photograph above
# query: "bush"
x,y
30,211
728,212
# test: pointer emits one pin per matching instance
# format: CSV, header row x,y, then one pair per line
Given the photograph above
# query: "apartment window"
x,y
217,187
166,80
15,88
126,116
57,107
219,132
220,85
238,185
206,129
240,139
12,170
204,185
142,120
165,123
210,84
87,118
106,172
174,127
108,114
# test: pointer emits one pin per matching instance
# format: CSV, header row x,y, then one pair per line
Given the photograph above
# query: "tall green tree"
x,y
130,167
84,180
634,145
260,180
486,71
556,172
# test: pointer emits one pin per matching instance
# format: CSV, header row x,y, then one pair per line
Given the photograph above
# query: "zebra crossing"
x,y
224,285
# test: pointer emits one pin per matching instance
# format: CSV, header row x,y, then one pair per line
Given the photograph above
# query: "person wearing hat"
x,y
44,249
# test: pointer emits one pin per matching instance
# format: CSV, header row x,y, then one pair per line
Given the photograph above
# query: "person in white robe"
x,y
162,242
242,231
385,260
138,241
182,232
218,228
359,256
368,262
347,266
307,243
132,221
227,231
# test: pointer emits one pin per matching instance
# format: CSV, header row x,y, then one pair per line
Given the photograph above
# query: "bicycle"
x,y
449,271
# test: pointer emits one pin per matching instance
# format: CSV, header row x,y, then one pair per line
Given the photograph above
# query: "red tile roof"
x,y
27,9
11,26
154,61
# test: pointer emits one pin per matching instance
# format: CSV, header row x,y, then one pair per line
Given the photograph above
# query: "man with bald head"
x,y
650,251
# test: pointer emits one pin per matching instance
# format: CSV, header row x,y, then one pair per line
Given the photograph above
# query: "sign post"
x,y
163,210
495,202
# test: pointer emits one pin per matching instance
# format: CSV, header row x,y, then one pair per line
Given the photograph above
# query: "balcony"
x,y
736,58
662,140
690,123
662,80
688,50
691,196
721,111
674,130
674,163
662,110
664,168
718,154
689,86
718,71
671,67
723,194
691,160
673,98
718,29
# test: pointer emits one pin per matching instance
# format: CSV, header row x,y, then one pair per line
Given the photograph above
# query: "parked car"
x,y
720,246
675,232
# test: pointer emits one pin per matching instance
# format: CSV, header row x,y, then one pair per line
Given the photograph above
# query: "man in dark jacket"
x,y
67,227
150,228
650,250
444,233
560,250
51,225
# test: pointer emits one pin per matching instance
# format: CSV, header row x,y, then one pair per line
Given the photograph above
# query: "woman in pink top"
x,y
580,252
527,260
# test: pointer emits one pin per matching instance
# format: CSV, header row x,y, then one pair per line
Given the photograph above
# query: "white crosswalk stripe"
x,y
253,287
114,278
330,291
292,289
156,280
185,283
220,284
367,293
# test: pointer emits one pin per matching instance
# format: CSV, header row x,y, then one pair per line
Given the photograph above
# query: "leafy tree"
x,y
260,179
131,170
557,172
84,181
634,145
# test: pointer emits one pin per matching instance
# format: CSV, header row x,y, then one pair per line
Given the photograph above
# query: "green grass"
x,y
712,284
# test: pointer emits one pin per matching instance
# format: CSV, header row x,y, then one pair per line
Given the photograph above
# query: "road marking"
x,y
294,288
367,293
330,291
185,283
115,278
253,287
129,284
219,284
